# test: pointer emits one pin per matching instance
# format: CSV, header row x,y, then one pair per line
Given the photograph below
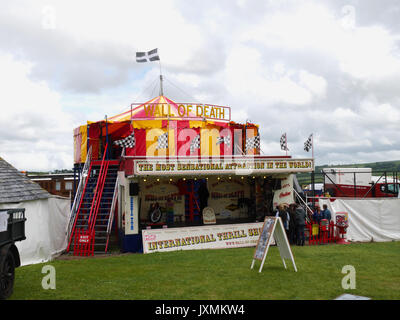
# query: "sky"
x,y
328,68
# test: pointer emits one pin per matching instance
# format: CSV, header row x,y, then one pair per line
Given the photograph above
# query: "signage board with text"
x,y
272,229
239,166
201,237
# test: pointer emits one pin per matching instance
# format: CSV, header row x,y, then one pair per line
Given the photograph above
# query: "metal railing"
x,y
85,236
309,210
111,215
79,192
98,192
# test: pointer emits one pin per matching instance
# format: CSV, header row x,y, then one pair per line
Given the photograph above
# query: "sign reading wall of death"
x,y
200,111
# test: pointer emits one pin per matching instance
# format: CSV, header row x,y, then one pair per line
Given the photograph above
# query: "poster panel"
x,y
264,238
285,194
273,229
202,237
131,224
161,192
282,242
225,195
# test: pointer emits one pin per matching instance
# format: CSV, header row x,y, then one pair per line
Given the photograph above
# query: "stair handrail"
x,y
305,204
103,178
97,193
111,215
79,192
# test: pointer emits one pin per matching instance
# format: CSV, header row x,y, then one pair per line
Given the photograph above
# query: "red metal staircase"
x,y
192,209
90,229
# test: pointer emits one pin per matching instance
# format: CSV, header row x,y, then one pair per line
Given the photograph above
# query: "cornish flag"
x,y
284,142
308,143
195,144
253,142
162,141
128,142
147,56
226,140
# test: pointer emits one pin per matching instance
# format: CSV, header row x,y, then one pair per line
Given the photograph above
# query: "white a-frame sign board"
x,y
273,229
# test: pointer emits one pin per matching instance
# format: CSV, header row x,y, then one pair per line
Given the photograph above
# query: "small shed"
x,y
47,215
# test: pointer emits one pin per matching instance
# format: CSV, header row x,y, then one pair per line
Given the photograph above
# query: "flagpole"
x,y
161,80
286,149
312,144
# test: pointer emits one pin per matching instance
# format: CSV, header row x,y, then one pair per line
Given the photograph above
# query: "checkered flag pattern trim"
x,y
128,142
195,144
253,142
308,144
284,142
226,140
162,141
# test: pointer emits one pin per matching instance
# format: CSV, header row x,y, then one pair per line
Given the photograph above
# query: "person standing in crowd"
x,y
300,224
203,195
326,213
284,215
292,223
276,211
317,216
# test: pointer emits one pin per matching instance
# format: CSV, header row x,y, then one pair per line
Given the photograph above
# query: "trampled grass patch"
x,y
220,275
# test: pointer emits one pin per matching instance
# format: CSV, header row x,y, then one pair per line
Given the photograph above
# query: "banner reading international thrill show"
x,y
207,237
235,166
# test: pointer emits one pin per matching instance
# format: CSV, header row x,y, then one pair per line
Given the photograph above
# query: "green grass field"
x,y
220,275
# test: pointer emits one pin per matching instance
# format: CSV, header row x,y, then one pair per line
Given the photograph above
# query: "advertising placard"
x,y
209,216
265,237
201,237
240,166
272,229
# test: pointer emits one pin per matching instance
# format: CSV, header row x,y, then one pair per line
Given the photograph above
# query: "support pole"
x,y
286,149
313,189
312,145
161,81
355,185
107,153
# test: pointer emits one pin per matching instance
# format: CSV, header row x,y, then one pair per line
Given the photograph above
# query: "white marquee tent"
x,y
47,215
369,219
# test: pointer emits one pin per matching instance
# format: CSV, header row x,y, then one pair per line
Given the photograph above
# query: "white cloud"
x,y
247,74
364,52
300,67
33,125
314,83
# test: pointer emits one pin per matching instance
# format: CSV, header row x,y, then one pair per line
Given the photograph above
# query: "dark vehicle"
x,y
9,255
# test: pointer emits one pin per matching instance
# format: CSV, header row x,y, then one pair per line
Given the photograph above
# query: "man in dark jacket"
x,y
300,224
203,195
292,223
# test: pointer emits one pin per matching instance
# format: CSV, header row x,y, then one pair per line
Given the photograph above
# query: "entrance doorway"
x,y
196,198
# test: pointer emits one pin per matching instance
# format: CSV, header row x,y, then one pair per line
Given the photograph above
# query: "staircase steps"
x,y
102,216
